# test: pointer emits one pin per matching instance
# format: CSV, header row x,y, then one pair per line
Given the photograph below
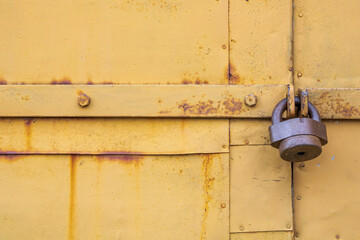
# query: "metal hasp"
x,y
298,139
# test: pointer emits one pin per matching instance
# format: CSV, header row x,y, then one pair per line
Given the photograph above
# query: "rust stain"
x,y
122,157
72,197
28,122
330,102
233,105
186,81
11,157
64,81
201,108
107,83
233,77
208,183
89,82
2,81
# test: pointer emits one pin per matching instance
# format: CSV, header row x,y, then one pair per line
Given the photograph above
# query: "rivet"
x,y
298,197
299,74
290,69
302,164
250,100
337,236
300,15
83,100
297,234
288,226
241,227
223,205
223,46
246,141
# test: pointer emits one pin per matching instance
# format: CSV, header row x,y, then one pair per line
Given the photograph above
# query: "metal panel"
x,y
115,197
326,43
249,132
262,236
138,101
326,189
34,197
260,42
113,135
167,197
260,188
103,42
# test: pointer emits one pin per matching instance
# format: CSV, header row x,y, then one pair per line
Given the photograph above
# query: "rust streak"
x,y
72,197
2,81
207,186
64,81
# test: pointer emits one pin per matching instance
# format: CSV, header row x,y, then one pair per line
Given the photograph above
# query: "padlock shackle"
x,y
281,107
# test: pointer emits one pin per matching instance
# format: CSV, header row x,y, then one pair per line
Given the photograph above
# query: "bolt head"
x,y
250,100
83,100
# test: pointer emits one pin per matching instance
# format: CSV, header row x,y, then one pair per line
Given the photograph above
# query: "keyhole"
x,y
301,153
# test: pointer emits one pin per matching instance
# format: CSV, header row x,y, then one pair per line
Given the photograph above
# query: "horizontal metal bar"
x,y
211,101
336,103
214,101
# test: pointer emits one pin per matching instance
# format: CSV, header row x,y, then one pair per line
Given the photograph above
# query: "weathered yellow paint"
x,y
115,197
138,101
326,189
262,236
249,131
113,136
326,43
34,197
336,103
260,42
135,41
260,190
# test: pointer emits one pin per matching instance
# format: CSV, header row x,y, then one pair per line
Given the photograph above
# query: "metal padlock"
x,y
298,139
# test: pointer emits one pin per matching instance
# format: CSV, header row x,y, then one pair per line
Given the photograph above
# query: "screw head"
x,y
288,226
300,15
299,74
250,100
83,100
298,197
302,164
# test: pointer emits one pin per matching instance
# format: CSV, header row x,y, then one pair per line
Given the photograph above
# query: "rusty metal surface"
x,y
114,42
336,103
260,190
113,136
304,101
297,126
290,102
138,100
115,197
326,190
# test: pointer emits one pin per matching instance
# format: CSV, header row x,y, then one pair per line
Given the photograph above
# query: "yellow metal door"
x,y
148,119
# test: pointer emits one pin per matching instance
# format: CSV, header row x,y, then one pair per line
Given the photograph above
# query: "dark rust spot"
x,y
2,81
64,81
186,81
233,77
89,82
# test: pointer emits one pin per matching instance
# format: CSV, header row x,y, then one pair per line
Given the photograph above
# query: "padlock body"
x,y
300,148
